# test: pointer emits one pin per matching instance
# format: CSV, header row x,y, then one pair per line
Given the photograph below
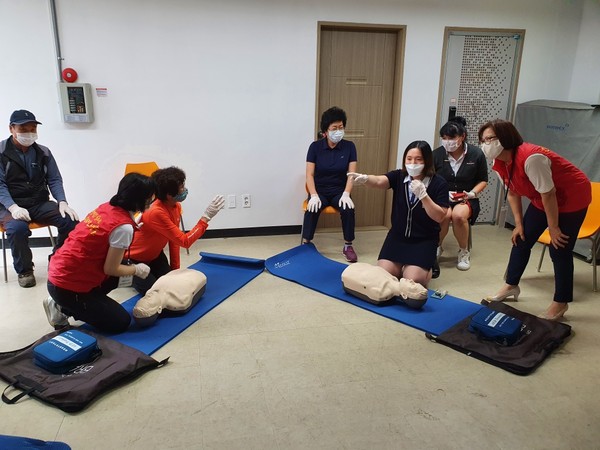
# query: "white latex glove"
x,y
213,207
451,195
64,208
314,204
418,188
142,270
19,213
358,178
346,201
470,195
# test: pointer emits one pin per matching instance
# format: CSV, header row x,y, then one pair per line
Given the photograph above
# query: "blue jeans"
x,y
534,224
18,232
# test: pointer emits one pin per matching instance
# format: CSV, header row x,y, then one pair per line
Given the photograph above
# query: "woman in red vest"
x,y
89,264
559,193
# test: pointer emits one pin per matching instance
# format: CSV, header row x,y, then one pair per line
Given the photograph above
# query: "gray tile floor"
x,y
277,366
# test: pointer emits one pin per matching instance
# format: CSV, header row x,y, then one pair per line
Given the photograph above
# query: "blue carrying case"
x,y
496,326
65,351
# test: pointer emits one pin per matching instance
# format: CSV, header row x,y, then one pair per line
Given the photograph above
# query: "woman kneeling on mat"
x,y
420,204
87,267
160,225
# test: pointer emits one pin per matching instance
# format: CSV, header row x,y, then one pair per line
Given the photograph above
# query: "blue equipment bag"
x,y
496,326
66,351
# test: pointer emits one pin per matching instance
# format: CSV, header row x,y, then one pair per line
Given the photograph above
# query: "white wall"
x,y
227,90
585,84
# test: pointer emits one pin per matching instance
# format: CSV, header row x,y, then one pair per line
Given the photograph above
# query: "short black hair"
x,y
333,114
134,192
457,126
427,153
168,181
505,131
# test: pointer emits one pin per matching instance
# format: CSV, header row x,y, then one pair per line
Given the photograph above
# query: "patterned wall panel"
x,y
484,94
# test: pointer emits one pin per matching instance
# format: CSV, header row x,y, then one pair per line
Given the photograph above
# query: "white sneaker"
x,y
464,260
55,316
439,252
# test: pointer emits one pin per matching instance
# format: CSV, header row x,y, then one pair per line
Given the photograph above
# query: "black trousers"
x,y
94,307
534,224
347,216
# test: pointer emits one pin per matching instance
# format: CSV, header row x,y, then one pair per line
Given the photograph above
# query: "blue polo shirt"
x,y
331,164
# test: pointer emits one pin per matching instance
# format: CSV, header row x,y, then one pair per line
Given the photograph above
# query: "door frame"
x,y
400,31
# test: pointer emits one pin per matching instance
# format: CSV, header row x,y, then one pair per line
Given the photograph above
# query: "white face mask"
x,y
414,169
493,149
26,139
335,136
450,145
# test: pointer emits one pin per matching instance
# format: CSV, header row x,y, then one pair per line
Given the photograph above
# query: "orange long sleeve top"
x,y
161,226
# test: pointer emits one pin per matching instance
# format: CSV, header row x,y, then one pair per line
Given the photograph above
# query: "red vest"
x,y
78,265
573,189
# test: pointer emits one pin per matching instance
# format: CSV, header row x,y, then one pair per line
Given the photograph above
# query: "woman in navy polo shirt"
x,y
420,203
327,162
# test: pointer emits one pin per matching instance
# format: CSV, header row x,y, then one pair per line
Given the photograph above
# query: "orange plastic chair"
x,y
32,226
326,210
589,230
148,168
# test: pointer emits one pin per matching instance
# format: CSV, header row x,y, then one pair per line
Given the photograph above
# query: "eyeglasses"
x,y
341,128
487,140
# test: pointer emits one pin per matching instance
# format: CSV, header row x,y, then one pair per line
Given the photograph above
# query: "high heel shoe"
x,y
512,292
556,316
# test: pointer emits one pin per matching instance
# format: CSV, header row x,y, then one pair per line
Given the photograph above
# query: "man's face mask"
x,y
26,139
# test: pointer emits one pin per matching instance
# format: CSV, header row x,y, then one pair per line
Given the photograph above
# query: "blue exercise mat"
x,y
224,275
25,443
306,266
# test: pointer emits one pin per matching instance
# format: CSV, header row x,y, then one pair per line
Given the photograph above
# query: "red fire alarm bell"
x,y
69,75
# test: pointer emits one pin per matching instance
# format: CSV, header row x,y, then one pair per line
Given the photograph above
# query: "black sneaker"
x,y
27,279
435,270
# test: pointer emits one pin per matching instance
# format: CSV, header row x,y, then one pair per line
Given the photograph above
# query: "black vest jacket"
x,y
25,191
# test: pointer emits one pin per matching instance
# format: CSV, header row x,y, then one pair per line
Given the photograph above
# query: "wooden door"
x,y
357,72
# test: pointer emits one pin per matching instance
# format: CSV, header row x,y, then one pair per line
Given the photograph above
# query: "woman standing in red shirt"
x,y
159,225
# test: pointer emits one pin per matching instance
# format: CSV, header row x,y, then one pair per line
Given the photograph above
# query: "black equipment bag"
x,y
539,339
74,390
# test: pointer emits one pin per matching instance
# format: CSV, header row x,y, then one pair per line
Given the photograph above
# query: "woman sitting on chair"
x,y
465,169
159,226
327,162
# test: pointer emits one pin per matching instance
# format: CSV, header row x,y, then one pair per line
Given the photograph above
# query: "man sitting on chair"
x,y
27,171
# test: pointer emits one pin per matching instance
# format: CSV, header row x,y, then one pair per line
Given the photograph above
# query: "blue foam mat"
x,y
225,274
306,266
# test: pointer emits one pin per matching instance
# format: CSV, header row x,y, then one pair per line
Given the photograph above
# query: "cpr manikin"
x,y
178,291
376,285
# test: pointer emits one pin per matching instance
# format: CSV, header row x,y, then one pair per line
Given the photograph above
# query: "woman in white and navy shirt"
x,y
420,203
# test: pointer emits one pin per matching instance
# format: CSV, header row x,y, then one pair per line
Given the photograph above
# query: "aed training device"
x,y
76,102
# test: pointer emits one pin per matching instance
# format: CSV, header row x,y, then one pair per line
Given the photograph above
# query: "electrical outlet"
x,y
231,201
246,201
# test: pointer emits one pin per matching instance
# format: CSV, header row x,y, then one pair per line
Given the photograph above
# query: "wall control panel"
x,y
76,102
